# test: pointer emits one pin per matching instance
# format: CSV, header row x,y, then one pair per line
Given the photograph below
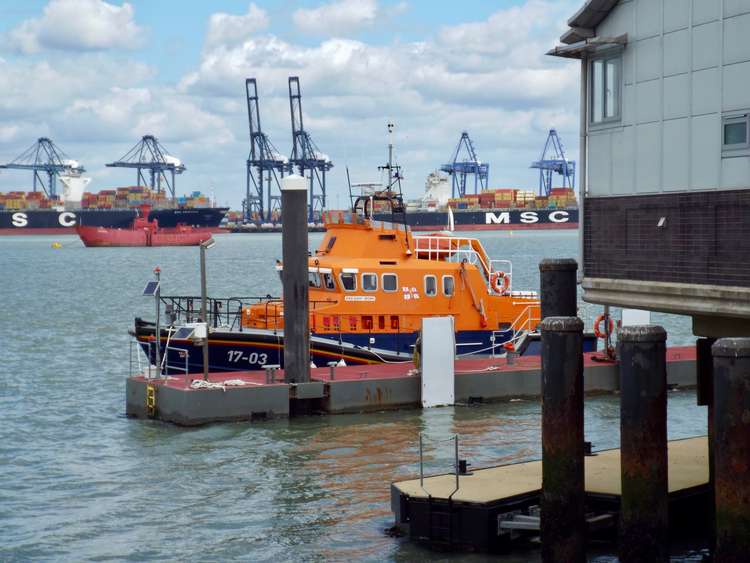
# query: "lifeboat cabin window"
x,y
349,281
369,282
430,286
390,282
328,281
448,286
314,279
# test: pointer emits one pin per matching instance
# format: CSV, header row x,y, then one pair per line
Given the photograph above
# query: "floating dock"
x,y
487,509
251,395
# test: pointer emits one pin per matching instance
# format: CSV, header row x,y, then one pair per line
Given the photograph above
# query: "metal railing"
x,y
224,311
525,319
458,249
453,438
450,249
180,351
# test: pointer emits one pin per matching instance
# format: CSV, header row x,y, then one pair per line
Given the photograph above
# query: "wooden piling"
x,y
295,280
731,449
644,518
558,289
563,496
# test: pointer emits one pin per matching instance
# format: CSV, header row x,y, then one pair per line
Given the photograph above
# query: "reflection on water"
x,y
80,481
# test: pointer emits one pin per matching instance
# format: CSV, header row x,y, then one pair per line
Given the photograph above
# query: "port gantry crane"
x,y
306,156
265,164
470,165
555,162
45,157
148,154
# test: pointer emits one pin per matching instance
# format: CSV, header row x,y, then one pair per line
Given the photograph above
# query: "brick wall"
x,y
705,238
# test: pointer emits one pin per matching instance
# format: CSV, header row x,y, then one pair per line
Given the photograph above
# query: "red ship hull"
x,y
178,236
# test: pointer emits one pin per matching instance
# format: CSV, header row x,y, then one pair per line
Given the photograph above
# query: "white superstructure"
x,y
437,190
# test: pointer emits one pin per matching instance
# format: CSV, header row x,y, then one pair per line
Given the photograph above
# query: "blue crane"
x,y
45,157
310,162
553,160
265,164
470,165
148,154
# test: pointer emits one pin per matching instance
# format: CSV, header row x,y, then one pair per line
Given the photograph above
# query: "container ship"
x,y
27,213
491,209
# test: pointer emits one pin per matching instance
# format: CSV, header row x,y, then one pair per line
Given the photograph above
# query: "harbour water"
x,y
81,481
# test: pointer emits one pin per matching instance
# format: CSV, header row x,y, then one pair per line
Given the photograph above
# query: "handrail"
x,y
454,439
525,311
448,247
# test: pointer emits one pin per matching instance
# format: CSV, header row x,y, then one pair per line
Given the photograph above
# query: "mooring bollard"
x,y
704,367
644,523
295,280
563,497
731,448
558,289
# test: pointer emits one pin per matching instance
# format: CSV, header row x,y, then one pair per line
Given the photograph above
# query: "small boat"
x,y
371,282
143,232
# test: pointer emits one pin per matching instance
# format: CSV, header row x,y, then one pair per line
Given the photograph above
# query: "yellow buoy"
x,y
56,245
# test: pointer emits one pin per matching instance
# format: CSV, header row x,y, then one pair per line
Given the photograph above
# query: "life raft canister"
x,y
500,282
599,322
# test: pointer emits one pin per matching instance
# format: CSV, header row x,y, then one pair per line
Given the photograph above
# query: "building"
x,y
665,153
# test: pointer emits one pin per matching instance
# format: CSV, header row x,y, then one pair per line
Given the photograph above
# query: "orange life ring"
x,y
502,289
599,333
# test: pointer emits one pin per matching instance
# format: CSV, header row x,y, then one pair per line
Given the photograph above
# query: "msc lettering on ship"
x,y
528,217
65,219
19,220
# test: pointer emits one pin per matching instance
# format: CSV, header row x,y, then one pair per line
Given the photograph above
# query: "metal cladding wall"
x,y
665,223
686,64
704,238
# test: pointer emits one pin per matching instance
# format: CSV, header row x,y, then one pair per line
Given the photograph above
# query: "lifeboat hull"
x,y
178,236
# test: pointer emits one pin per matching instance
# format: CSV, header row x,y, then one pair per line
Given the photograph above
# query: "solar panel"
x,y
183,333
151,288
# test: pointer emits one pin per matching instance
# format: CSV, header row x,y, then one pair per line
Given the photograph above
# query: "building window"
x,y
369,282
328,281
390,282
735,134
430,286
604,89
349,281
448,285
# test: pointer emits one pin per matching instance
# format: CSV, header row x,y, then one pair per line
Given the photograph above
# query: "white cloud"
x,y
77,25
338,17
490,77
229,29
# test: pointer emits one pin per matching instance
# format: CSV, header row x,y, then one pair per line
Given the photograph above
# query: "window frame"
x,y
362,281
311,275
453,285
331,277
735,149
382,282
343,285
434,277
604,58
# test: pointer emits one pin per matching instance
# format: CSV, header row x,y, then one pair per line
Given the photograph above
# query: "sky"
x,y
95,76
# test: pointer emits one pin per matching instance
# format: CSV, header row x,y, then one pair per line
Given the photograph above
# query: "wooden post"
x,y
295,280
